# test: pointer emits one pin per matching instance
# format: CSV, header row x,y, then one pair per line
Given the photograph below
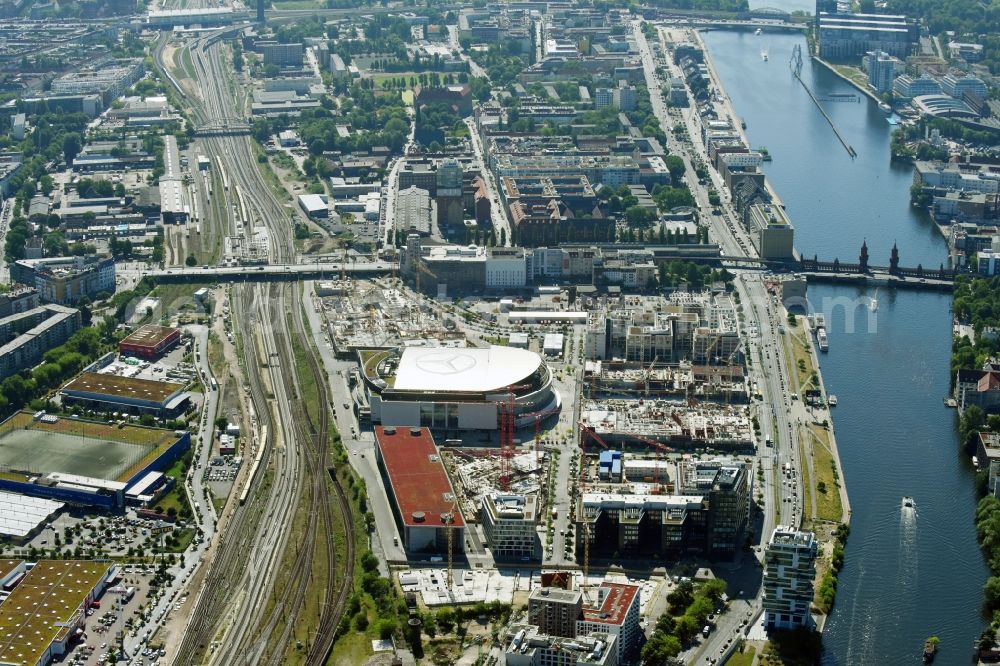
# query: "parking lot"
x,y
112,615
108,535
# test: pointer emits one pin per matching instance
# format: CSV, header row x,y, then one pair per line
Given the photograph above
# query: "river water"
x,y
905,577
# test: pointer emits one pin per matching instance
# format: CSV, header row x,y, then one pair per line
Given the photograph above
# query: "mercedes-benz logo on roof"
x,y
446,363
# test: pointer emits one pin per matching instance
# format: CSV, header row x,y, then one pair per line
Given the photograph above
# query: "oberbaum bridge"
x,y
861,273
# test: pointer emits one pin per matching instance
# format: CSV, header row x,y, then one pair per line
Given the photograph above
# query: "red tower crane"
x,y
660,448
507,416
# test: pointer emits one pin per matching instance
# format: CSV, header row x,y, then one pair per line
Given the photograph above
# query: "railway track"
x,y
236,593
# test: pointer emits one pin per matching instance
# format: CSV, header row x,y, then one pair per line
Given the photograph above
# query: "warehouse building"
x,y
42,614
22,516
83,463
314,206
149,341
456,389
771,231
420,493
128,395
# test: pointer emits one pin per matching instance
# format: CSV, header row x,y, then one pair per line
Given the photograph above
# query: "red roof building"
x,y
613,608
149,341
420,493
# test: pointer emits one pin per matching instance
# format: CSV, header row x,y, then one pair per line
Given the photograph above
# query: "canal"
x,y
904,580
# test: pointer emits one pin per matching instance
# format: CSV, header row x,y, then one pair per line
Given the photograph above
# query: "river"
x,y
904,580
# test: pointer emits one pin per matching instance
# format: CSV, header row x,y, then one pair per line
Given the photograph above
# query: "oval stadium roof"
x,y
471,370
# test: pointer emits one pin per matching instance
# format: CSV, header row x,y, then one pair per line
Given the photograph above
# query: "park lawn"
x,y
744,658
828,505
806,495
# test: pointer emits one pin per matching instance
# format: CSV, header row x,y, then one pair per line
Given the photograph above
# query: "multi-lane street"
x,y
761,328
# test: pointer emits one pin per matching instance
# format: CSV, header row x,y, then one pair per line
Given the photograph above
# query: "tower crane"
x,y
649,373
585,433
449,520
421,268
507,415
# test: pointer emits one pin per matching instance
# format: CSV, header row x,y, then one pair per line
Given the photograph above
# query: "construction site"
x,y
363,314
670,425
721,383
478,473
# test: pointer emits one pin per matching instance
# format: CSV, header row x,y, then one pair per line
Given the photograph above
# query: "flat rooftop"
x,y
7,566
613,603
77,447
20,514
769,214
474,370
784,534
42,608
149,335
122,387
420,484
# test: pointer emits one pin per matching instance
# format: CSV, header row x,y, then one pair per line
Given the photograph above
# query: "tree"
x,y
686,629
636,215
71,145
992,592
682,596
713,589
191,260
660,649
675,165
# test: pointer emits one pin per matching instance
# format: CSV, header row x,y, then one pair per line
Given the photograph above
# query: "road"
x,y
474,68
762,328
497,213
204,512
388,214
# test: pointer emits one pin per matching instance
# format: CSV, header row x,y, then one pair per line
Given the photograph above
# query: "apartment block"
x,y
555,611
65,280
789,572
510,524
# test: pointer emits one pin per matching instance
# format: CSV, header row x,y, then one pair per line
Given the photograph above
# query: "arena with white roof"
x,y
456,388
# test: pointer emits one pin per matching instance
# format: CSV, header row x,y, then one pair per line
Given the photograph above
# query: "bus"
x,y
215,384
